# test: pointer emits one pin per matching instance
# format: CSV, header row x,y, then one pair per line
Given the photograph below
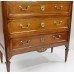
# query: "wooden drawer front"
x,y
36,24
38,7
38,40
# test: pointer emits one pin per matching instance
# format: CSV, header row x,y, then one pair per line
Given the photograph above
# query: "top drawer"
x,y
38,7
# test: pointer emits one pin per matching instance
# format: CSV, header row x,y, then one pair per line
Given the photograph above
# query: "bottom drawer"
x,y
38,48
28,42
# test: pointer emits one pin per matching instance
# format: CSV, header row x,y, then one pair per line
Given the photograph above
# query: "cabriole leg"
x,y
1,57
66,53
51,49
8,65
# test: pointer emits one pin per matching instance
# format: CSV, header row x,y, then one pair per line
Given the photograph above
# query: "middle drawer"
x,y
36,24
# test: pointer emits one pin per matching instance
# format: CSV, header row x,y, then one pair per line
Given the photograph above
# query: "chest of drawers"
x,y
35,26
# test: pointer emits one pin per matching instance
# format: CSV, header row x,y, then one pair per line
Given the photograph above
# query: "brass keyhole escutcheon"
x,y
42,39
42,7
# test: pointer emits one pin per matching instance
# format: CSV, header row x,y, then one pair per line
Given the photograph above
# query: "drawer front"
x,y
38,7
38,40
36,24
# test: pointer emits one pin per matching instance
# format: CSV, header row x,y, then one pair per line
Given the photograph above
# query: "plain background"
x,y
45,61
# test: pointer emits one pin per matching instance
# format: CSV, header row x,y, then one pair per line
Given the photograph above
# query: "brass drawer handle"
x,y
27,26
42,7
42,24
58,22
21,42
27,42
42,39
56,37
58,7
24,9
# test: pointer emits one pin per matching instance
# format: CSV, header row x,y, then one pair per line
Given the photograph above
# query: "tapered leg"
x,y
1,57
66,53
8,65
51,49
